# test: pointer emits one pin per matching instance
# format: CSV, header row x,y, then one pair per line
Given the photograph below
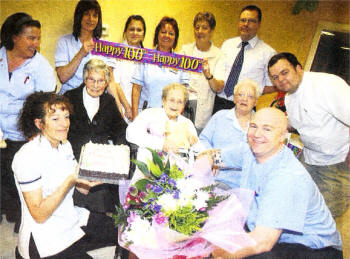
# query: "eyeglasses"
x,y
93,81
251,20
175,101
242,95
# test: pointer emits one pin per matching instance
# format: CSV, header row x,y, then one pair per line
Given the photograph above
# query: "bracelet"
x,y
209,78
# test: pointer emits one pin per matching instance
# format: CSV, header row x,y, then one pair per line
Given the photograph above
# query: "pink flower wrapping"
x,y
224,227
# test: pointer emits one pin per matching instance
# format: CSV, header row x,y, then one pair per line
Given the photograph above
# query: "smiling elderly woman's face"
x,y
95,83
174,103
245,98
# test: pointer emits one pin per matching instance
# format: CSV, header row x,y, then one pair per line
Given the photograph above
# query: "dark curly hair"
x,y
82,7
36,106
14,25
166,20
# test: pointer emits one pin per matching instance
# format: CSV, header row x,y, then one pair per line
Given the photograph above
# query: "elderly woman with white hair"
x,y
229,127
163,129
96,119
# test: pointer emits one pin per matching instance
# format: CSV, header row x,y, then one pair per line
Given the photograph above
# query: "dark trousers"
x,y
10,204
298,251
99,232
222,103
101,198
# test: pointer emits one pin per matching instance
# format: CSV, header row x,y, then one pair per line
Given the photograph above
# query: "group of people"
x,y
109,101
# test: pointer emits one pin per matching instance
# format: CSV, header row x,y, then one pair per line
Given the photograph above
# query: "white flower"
x,y
168,202
187,187
184,201
200,201
141,233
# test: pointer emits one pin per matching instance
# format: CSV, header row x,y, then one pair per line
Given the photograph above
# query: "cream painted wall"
x,y
282,30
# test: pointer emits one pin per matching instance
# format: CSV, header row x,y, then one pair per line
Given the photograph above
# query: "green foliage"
x,y
175,173
155,170
160,179
141,184
156,159
213,201
151,195
167,166
145,212
186,220
209,188
120,218
142,166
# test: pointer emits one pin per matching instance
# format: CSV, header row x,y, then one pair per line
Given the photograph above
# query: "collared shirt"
x,y
153,78
256,57
67,47
91,104
223,131
286,198
123,72
199,86
319,110
34,75
37,165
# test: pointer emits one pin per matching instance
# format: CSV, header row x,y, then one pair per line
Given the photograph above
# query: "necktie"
x,y
235,71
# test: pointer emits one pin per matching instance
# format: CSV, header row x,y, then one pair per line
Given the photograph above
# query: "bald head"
x,y
275,117
267,132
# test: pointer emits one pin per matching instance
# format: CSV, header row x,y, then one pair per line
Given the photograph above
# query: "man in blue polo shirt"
x,y
288,217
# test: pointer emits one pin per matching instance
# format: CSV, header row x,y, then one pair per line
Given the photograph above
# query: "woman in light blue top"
x,y
73,50
134,34
23,70
149,80
228,128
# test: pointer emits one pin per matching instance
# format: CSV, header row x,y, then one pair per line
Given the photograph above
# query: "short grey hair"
x,y
175,86
96,65
251,83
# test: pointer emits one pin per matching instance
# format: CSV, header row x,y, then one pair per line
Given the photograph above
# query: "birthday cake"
x,y
105,163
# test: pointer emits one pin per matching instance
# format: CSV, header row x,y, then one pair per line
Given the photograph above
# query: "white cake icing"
x,y
106,158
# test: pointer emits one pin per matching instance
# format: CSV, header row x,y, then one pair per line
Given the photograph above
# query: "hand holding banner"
x,y
151,56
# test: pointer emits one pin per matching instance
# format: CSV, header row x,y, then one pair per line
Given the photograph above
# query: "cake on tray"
x,y
104,162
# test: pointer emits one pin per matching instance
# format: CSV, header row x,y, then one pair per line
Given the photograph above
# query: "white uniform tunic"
x,y
37,165
200,89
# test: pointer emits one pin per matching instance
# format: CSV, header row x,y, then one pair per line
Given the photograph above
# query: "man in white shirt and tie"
x,y
248,61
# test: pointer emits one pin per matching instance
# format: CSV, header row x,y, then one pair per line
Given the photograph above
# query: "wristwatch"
x,y
209,78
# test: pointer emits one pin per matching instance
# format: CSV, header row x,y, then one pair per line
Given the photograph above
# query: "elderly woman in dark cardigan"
x,y
96,119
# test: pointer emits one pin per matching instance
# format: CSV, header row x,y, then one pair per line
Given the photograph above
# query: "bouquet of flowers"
x,y
175,211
